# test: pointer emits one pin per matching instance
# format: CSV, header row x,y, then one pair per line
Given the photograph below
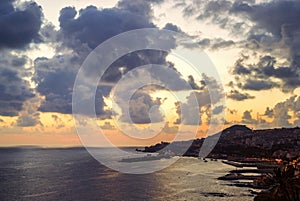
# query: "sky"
x,y
254,45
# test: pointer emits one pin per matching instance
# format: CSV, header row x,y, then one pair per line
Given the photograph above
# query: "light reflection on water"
x,y
194,179
72,174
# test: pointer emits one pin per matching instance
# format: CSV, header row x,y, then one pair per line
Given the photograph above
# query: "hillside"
x,y
240,141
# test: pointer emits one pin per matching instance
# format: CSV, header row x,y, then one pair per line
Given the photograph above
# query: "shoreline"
x,y
257,167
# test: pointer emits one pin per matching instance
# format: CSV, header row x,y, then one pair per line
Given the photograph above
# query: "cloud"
x,y
269,112
83,31
188,114
14,90
19,25
28,120
200,102
260,13
247,118
204,43
139,7
215,10
282,109
194,85
221,44
264,75
238,96
233,111
257,85
30,116
143,109
107,126
216,44
283,36
283,114
55,78
170,129
86,29
58,121
156,1
172,27
275,37
93,26
218,110
133,60
48,33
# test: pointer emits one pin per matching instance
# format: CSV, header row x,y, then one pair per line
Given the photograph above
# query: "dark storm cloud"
x,y
271,28
138,7
216,43
272,16
257,85
284,24
133,60
238,96
276,26
19,26
82,31
93,26
264,75
55,79
19,61
14,90
167,74
240,69
214,10
206,9
217,12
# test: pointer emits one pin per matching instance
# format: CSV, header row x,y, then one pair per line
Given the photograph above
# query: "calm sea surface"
x,y
72,174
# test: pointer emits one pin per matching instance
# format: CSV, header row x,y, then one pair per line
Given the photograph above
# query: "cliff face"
x,y
240,141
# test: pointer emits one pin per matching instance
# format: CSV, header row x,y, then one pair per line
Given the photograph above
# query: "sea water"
x,y
72,174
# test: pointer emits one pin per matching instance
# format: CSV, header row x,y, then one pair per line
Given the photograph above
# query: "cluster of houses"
x,y
242,142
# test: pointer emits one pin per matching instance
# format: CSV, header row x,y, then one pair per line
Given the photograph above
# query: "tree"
x,y
284,185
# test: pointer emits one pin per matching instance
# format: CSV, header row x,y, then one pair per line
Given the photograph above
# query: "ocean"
x,y
72,174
